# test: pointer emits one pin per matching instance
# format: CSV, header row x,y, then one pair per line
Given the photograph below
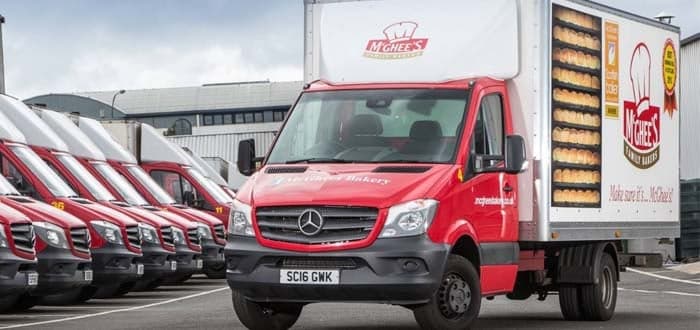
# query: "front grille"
x,y
132,234
318,263
219,231
81,239
167,233
341,224
23,235
193,236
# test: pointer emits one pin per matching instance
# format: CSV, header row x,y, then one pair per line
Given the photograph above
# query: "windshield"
x,y
144,179
372,126
119,183
46,175
6,187
79,171
212,188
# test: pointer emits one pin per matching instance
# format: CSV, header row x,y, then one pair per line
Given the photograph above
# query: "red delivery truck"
x,y
171,167
205,168
115,238
163,259
18,274
447,151
122,164
62,248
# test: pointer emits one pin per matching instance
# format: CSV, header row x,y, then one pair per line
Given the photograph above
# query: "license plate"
x,y
219,256
139,269
173,265
200,263
32,278
310,277
87,275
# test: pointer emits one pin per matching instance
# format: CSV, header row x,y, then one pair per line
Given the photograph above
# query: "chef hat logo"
x,y
400,31
640,75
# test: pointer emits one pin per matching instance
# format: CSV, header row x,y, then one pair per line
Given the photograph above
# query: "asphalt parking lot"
x,y
655,299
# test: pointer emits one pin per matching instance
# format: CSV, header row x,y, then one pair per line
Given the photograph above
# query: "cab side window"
x,y
180,189
487,143
15,177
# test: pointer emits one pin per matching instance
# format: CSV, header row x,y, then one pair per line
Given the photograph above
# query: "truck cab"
x,y
159,250
205,168
18,264
123,173
116,240
62,247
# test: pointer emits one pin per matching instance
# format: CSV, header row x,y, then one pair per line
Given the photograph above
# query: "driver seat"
x,y
364,131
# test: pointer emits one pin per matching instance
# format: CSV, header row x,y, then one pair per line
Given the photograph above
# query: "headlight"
x,y
149,233
51,234
178,237
409,219
3,239
109,231
204,231
240,220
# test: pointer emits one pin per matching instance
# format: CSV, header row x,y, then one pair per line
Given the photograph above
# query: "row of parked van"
x,y
82,217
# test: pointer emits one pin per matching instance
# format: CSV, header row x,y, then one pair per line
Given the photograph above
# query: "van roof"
x,y
156,148
78,143
37,133
111,149
9,131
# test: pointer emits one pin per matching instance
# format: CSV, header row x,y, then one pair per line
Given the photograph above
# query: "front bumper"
x,y
114,264
188,262
60,270
15,273
157,262
212,254
396,271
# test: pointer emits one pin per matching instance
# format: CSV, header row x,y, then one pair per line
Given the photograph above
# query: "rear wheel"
x,y
599,300
265,316
569,302
457,301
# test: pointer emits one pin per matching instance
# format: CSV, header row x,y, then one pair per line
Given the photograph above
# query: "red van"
x,y
159,252
115,237
18,265
124,163
62,247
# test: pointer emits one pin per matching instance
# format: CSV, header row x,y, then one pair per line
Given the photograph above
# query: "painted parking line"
x,y
686,294
80,317
662,277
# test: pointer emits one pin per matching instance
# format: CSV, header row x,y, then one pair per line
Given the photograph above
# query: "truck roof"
x,y
26,121
156,148
104,141
78,143
9,131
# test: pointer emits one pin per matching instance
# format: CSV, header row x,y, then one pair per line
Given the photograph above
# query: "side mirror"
x,y
515,154
246,157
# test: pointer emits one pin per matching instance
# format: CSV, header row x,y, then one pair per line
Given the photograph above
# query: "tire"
x,y
457,301
569,302
107,291
177,279
265,316
6,302
599,300
125,288
71,297
215,272
25,302
153,285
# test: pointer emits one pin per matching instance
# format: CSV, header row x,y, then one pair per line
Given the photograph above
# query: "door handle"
x,y
507,188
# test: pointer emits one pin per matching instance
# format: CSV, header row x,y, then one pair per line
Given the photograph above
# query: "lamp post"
x,y
121,91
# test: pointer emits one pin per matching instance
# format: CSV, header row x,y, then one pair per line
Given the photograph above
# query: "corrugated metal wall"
x,y
224,145
690,110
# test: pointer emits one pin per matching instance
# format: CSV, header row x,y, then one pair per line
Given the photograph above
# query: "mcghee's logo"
x,y
398,44
642,120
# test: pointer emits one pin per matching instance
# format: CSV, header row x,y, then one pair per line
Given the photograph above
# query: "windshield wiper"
x,y
319,160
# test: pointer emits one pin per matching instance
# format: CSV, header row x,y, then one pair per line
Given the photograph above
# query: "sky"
x,y
89,45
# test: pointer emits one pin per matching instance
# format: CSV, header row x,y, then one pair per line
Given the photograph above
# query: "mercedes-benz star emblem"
x,y
310,222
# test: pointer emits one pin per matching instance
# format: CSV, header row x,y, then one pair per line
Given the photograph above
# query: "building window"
x,y
228,119
267,116
218,119
258,117
239,118
208,120
279,116
248,117
181,127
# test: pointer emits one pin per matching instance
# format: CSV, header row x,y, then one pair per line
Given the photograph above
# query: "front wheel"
x,y
265,316
457,301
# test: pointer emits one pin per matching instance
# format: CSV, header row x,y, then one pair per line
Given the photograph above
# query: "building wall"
x,y
690,110
224,145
